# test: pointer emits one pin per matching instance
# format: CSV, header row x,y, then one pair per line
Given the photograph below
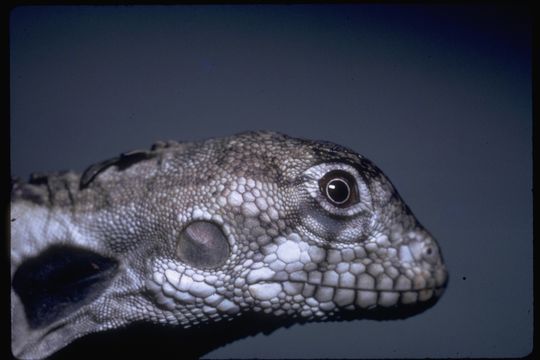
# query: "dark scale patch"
x,y
21,190
122,162
241,160
30,193
45,188
60,187
367,169
59,281
325,148
38,178
163,144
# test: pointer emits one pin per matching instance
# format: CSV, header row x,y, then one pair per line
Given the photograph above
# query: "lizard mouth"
x,y
435,289
330,298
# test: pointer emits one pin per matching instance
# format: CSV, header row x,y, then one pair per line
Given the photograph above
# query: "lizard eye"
x,y
339,188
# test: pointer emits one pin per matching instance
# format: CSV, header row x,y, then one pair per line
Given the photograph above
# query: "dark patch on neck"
x,y
59,281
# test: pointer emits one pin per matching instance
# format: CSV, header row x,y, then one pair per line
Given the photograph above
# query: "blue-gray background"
x,y
438,96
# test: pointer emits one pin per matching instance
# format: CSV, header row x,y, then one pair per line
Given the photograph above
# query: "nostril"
x,y
421,250
430,253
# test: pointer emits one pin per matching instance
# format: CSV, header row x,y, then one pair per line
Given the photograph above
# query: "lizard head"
x,y
199,233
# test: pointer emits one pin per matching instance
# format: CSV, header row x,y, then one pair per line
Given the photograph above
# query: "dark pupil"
x,y
338,190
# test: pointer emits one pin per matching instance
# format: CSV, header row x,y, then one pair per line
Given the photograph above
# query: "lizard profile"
x,y
196,234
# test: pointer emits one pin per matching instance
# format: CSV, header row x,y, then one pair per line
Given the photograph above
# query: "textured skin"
x,y
281,247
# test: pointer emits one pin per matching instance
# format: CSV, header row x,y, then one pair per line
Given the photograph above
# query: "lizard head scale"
x,y
192,234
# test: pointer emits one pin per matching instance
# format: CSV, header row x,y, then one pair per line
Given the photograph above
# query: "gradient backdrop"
x,y
438,96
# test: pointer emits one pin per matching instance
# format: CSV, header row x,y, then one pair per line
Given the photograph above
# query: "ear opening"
x,y
59,281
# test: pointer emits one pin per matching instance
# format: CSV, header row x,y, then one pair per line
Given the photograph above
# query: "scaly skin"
x,y
194,233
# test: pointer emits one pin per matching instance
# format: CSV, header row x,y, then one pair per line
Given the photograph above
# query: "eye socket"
x,y
339,188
